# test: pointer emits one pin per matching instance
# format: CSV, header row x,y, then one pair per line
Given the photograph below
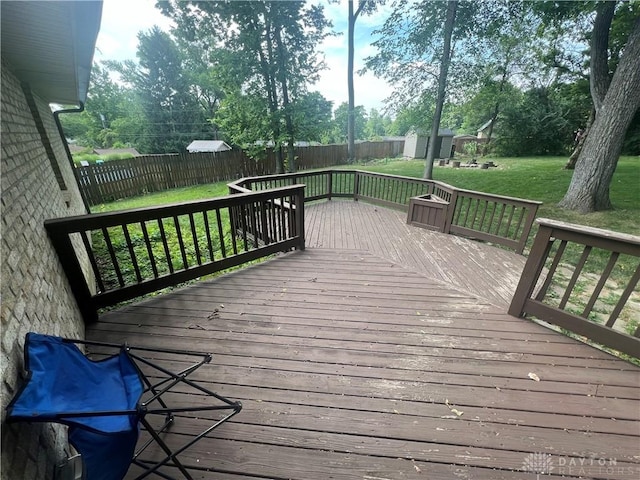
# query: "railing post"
x,y
299,216
532,270
356,185
330,183
451,210
531,216
61,242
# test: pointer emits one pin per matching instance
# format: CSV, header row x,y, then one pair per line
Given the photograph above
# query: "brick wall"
x,y
35,292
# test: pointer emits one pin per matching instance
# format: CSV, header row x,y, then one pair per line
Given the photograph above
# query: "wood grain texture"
x,y
352,366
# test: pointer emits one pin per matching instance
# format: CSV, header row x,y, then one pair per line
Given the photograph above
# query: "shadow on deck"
x,y
387,355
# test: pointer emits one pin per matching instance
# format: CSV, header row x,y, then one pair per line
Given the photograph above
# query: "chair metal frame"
x,y
151,402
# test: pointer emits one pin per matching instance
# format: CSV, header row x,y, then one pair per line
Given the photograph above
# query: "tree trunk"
x,y
442,86
599,79
599,76
286,103
351,128
571,163
269,80
589,188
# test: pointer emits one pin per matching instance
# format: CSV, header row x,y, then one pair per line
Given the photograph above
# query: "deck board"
x,y
350,365
344,224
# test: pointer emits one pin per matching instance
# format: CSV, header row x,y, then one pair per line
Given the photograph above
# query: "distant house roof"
x,y
486,125
464,135
207,146
443,132
110,151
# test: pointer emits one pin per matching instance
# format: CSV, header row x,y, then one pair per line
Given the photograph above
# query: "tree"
x,y
445,61
589,188
534,123
312,117
434,49
341,122
173,117
110,117
364,7
273,48
377,125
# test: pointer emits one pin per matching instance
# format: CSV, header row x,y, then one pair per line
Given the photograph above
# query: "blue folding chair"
x,y
106,403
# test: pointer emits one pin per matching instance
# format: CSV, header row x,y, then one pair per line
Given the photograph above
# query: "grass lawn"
x,y
541,179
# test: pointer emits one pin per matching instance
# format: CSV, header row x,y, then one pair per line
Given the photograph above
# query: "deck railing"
x,y
132,252
555,286
498,219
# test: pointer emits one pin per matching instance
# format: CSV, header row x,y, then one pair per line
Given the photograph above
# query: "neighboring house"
x,y
416,142
460,142
483,131
116,151
208,146
47,53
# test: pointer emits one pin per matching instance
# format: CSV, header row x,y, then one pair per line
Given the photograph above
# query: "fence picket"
x,y
117,179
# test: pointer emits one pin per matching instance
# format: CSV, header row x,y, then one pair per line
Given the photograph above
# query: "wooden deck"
x,y
359,358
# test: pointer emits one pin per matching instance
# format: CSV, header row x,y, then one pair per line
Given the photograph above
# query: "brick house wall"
x,y
37,184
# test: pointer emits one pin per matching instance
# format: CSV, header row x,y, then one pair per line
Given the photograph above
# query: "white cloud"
x,y
121,22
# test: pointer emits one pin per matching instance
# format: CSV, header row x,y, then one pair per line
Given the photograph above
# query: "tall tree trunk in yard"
x,y
351,113
571,163
599,78
589,188
442,86
286,103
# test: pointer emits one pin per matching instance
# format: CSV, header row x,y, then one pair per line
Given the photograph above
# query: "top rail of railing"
x,y
559,286
494,218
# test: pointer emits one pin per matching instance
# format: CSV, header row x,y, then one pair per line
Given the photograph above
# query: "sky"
x,y
122,21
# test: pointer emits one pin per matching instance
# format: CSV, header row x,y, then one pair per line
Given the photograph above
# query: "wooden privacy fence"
x,y
133,252
555,286
494,218
109,181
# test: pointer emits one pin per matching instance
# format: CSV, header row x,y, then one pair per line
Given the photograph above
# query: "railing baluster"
x,y
264,225
183,253
517,230
552,270
112,254
243,222
165,245
234,243
92,260
493,211
223,247
132,254
613,258
254,227
624,297
508,227
484,214
194,235
147,243
475,212
500,218
574,278
205,219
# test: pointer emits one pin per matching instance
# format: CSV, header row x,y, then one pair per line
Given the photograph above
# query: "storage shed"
x,y
417,141
208,146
